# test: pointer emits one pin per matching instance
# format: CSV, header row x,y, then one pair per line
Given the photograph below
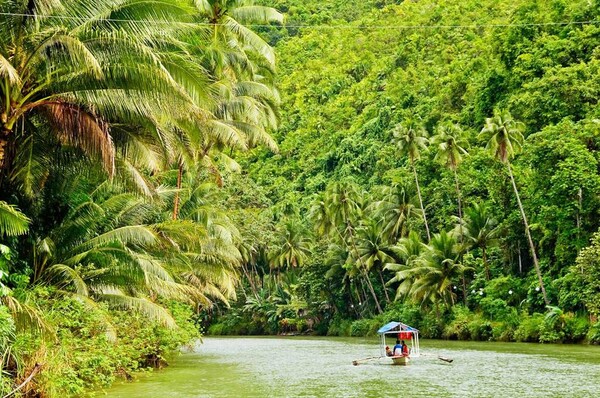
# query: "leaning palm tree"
x,y
505,139
373,250
450,151
338,213
71,67
411,139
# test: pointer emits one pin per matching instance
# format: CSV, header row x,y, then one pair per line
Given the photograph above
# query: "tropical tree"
x,y
450,151
69,68
437,272
504,137
338,213
226,18
411,139
480,230
293,246
373,250
396,209
407,253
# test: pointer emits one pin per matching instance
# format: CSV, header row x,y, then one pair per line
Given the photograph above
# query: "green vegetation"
x,y
444,157
434,162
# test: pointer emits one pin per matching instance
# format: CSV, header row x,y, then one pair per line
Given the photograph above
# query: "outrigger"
x,y
404,332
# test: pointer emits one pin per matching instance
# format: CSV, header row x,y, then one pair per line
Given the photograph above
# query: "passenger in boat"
x,y
404,349
398,348
388,351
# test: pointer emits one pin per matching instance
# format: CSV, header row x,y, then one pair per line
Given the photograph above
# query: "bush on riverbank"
x,y
85,346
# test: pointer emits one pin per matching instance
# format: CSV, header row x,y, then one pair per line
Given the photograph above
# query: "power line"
x,y
318,27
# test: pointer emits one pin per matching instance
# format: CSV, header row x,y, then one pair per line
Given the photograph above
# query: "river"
x,y
322,367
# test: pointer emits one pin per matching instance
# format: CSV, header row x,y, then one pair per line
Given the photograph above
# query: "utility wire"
x,y
341,26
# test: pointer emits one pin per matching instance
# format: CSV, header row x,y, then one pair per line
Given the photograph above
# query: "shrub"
x,y
529,328
593,334
458,328
576,328
339,327
503,331
480,329
363,327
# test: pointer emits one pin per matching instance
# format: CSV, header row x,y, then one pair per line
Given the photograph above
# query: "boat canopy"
x,y
403,332
393,327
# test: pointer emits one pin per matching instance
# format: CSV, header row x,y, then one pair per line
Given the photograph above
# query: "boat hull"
x,y
400,360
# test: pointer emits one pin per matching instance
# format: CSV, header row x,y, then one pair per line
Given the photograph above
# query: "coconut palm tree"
x,y
395,208
437,271
407,252
480,230
226,19
373,250
504,139
69,68
336,213
293,246
411,139
450,151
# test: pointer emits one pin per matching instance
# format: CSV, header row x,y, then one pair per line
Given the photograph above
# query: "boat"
x,y
400,331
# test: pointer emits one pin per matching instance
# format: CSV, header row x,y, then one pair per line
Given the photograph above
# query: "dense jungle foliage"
x,y
438,164
430,162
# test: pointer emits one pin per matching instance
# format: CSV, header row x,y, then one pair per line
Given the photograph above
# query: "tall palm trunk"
x,y
531,246
421,200
176,202
362,267
460,220
485,263
364,270
387,297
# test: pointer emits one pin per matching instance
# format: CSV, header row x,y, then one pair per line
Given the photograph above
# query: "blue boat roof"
x,y
396,327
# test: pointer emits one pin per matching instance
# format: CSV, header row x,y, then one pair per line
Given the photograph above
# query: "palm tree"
x,y
406,255
396,209
12,221
437,271
448,139
226,17
411,139
293,246
480,230
72,76
505,139
336,213
373,249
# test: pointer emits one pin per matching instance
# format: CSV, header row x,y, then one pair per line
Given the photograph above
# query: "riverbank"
x,y
491,322
81,346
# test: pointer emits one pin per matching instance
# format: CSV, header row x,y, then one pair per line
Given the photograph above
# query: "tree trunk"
x,y
459,200
387,297
528,232
364,269
179,178
421,201
485,264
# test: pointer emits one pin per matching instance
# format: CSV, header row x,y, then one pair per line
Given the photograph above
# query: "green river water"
x,y
322,367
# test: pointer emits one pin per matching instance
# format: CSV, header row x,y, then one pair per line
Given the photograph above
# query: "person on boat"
x,y
388,351
397,348
404,349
